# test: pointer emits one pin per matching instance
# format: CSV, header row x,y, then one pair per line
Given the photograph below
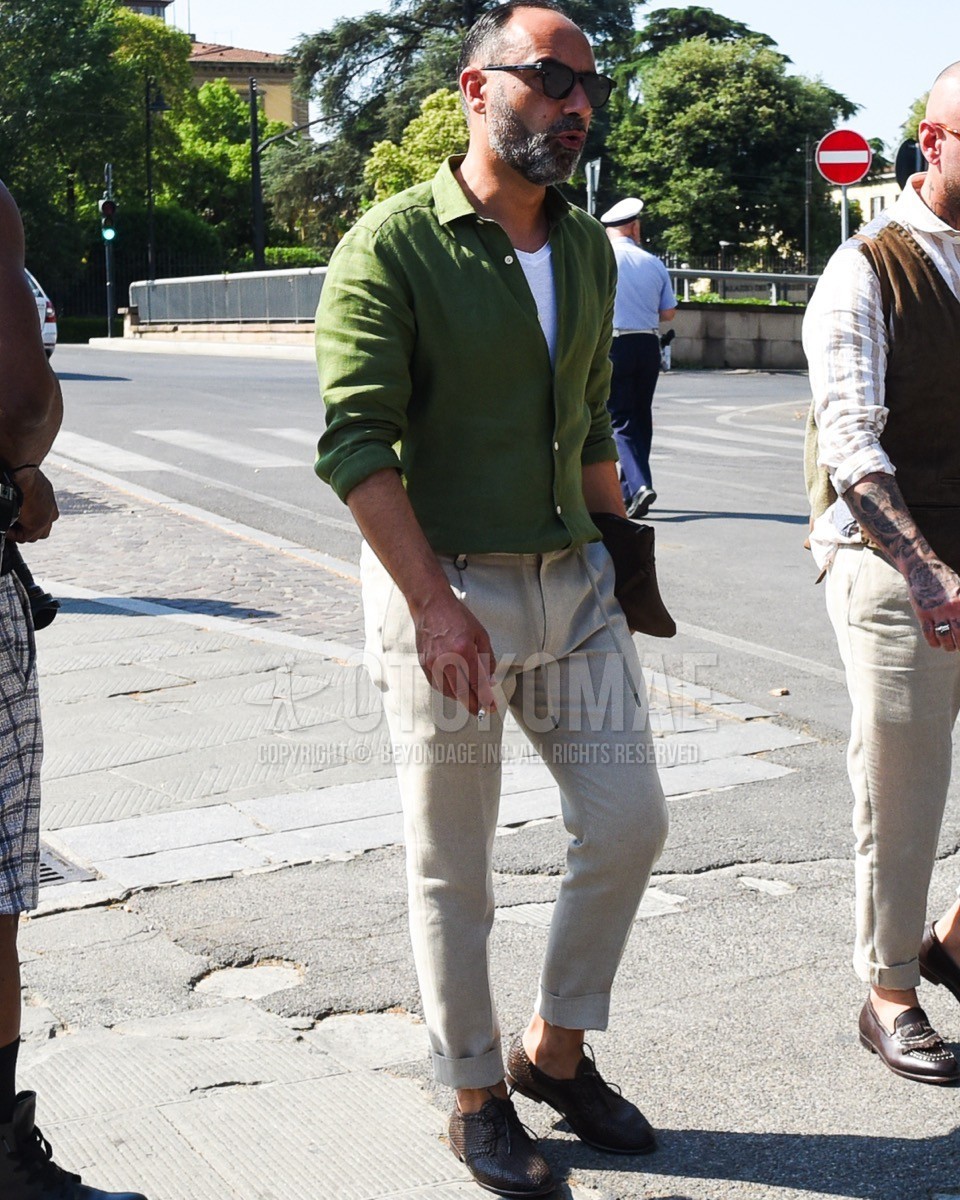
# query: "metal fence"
x,y
292,296
768,286
255,296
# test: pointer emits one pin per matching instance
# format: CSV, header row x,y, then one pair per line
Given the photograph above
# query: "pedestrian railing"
x,y
254,296
742,285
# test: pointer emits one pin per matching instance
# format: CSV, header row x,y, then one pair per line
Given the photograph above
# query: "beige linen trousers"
x,y
569,674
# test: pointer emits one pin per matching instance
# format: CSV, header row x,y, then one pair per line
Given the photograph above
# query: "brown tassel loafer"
x,y
936,965
498,1152
914,1050
595,1111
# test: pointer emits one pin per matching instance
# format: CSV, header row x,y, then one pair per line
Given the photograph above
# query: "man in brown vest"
x,y
882,336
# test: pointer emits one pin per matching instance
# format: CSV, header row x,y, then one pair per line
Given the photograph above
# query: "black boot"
x,y
27,1169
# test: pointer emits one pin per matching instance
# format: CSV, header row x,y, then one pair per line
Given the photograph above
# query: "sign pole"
x,y
108,251
844,216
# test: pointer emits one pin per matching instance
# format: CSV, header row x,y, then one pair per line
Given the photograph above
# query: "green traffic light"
x,y
108,234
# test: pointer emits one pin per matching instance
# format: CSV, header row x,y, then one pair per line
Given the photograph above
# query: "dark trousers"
x,y
636,367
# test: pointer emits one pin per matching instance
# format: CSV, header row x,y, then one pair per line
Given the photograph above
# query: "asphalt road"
x,y
237,436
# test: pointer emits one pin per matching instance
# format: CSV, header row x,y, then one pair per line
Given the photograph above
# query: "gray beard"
x,y
535,156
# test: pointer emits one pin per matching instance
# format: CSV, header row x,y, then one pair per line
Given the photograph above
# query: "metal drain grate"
x,y
54,868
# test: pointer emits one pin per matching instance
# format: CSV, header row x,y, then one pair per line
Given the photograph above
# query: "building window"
x,y
877,206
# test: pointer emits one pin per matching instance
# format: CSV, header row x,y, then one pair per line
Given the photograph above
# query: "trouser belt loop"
x,y
460,562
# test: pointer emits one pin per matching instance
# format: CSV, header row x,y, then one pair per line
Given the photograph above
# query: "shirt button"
x,y
556,445
559,510
509,259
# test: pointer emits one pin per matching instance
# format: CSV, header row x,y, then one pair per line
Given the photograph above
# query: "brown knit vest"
x,y
922,386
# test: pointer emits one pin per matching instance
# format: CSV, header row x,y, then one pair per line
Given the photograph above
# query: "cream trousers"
x,y
905,701
569,673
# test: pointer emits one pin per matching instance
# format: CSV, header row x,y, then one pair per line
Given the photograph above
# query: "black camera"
x,y
43,606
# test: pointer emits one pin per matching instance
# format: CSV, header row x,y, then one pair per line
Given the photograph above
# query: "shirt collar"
x,y
918,214
451,201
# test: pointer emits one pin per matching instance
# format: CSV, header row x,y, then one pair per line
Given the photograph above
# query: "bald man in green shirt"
x,y
463,342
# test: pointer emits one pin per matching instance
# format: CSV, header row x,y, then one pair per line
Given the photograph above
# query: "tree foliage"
x,y
918,110
716,143
369,74
437,132
213,160
666,27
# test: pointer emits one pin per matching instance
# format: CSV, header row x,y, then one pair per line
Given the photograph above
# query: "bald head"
x,y
943,103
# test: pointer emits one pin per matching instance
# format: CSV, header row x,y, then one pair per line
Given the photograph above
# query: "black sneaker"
x,y
27,1169
499,1152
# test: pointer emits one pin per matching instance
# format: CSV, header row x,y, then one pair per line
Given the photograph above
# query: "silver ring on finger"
x,y
942,629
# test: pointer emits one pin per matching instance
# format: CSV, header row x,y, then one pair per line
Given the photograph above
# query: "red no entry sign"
x,y
843,157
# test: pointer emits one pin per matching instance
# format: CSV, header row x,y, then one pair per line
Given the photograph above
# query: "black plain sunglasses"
x,y
558,80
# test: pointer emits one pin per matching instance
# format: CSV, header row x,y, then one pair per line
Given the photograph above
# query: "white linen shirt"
x,y
846,342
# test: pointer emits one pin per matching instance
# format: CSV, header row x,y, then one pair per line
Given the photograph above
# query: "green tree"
x,y
434,135
369,74
667,26
213,161
918,110
714,137
59,119
304,185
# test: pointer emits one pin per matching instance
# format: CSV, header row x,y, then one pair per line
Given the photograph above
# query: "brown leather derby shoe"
x,y
936,965
914,1050
596,1113
498,1152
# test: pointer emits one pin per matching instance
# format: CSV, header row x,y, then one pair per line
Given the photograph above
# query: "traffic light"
x,y
108,219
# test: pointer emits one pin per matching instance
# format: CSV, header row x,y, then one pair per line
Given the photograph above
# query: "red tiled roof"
x,y
212,52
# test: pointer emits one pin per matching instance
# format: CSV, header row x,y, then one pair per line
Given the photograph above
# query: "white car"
x,y
47,314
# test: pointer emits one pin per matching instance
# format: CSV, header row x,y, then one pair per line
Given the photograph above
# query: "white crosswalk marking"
x,y
102,455
690,446
302,437
233,452
722,436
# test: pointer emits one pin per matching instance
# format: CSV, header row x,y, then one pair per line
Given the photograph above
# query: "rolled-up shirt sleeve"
x,y
364,338
846,343
599,445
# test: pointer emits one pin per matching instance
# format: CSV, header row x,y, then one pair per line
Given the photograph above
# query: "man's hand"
x,y
455,652
39,509
877,503
935,596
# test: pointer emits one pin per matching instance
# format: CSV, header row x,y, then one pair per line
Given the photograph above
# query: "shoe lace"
x,y
602,1091
36,1156
505,1123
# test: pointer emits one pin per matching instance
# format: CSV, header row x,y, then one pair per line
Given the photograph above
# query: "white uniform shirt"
x,y
846,343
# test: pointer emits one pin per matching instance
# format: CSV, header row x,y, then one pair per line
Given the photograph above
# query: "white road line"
x,y
99,455
692,447
798,434
258,536
721,435
302,437
231,625
232,452
102,454
811,667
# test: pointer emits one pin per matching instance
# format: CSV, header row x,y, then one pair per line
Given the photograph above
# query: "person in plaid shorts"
x,y
31,409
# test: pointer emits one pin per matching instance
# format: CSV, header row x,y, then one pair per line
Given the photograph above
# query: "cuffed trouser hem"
x,y
483,1070
901,978
575,1012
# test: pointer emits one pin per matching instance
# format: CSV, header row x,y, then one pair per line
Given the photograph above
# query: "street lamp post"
x,y
153,103
723,266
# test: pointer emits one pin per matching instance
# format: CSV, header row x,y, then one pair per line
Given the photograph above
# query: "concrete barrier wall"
x,y
708,335
731,336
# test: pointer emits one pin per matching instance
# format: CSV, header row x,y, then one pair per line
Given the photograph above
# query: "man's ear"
x,y
928,138
472,86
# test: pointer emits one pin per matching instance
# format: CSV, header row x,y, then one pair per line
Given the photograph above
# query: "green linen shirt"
x,y
432,361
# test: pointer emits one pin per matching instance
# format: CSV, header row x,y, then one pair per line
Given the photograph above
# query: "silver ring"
x,y
942,629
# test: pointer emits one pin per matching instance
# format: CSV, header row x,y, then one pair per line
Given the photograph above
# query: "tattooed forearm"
x,y
878,504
